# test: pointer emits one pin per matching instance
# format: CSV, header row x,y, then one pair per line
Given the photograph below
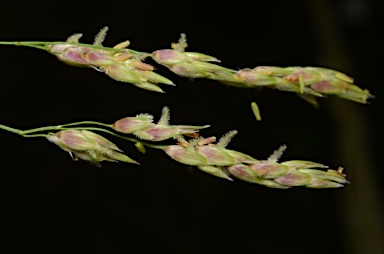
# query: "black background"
x,y
55,205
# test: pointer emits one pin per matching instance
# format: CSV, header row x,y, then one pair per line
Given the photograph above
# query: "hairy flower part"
x,y
143,127
88,146
314,81
216,160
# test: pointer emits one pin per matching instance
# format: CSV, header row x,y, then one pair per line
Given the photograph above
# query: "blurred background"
x,y
55,205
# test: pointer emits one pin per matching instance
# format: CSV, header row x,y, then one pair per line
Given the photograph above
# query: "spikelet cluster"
x,y
308,82
88,146
142,126
122,66
219,161
192,64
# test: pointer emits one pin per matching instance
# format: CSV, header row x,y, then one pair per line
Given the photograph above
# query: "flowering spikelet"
x,y
129,125
206,156
88,146
216,160
121,66
288,174
313,81
143,127
191,64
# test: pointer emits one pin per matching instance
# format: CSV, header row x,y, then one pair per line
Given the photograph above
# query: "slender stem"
x,y
38,44
35,136
119,136
46,128
60,127
87,122
10,129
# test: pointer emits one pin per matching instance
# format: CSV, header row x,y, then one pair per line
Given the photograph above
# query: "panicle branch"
x,y
216,160
127,66
308,82
83,144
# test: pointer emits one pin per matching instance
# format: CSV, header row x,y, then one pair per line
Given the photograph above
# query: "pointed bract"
x,y
216,171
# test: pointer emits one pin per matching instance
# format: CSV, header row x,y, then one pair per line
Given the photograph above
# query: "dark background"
x,y
55,205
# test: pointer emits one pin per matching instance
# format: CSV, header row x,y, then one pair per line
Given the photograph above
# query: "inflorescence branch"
x,y
82,143
126,65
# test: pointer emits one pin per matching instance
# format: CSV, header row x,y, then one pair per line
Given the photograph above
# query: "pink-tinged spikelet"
x,y
185,155
88,146
129,125
215,155
70,54
269,169
168,57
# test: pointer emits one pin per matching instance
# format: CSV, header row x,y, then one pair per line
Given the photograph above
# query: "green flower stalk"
x,y
216,160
